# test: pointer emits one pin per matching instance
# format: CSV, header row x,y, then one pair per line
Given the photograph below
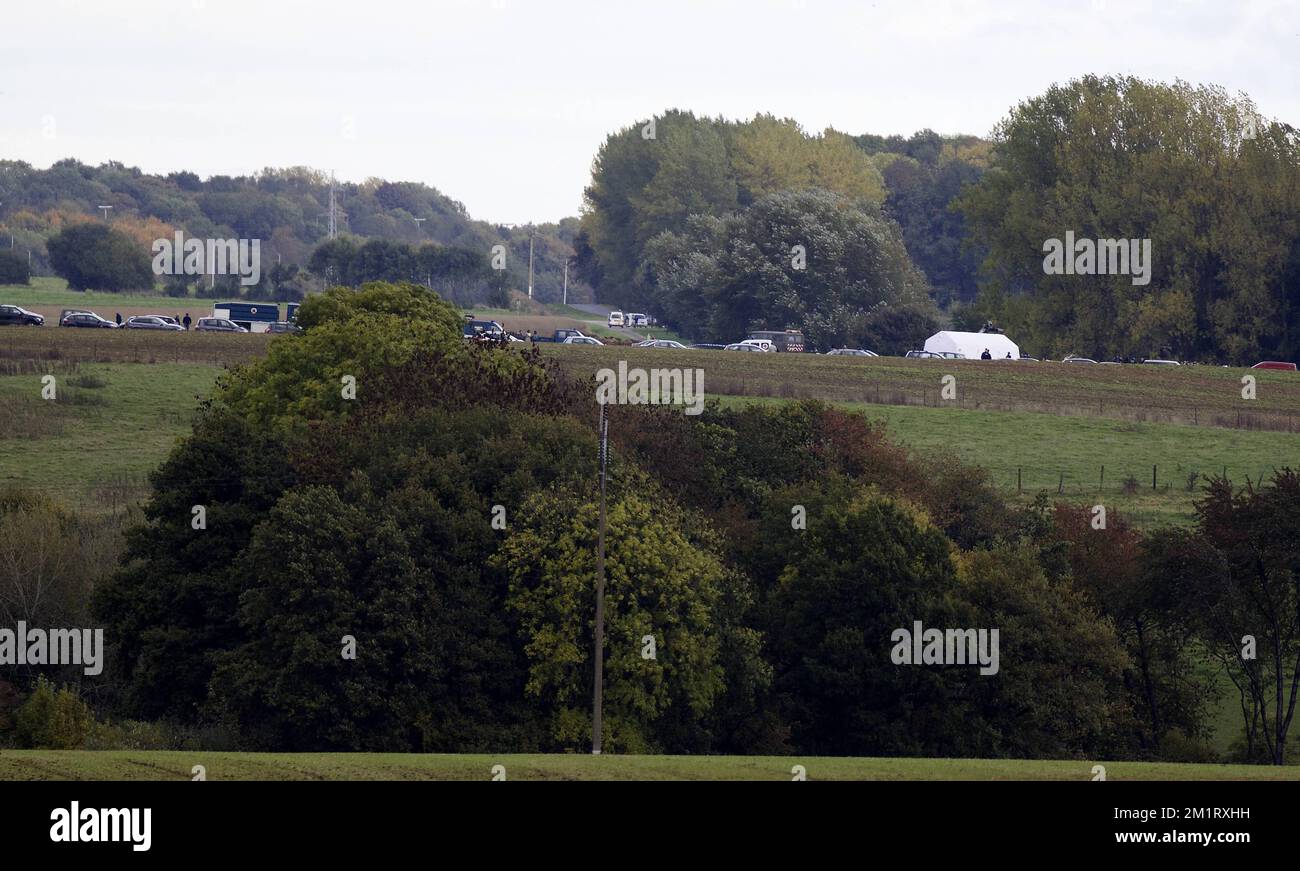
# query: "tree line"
x,y
724,226
439,523
287,209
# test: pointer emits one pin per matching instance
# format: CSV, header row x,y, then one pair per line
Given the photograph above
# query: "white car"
x,y
761,344
1161,363
748,346
616,319
851,352
660,343
581,340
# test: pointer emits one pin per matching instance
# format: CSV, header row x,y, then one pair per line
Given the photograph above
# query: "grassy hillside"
x,y
152,765
109,426
1090,460
1193,395
51,291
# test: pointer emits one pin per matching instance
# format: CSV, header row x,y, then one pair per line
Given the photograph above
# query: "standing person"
x,y
986,355
186,321
119,319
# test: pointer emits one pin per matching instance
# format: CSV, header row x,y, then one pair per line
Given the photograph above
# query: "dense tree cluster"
x,y
441,526
287,209
460,274
719,227
1211,184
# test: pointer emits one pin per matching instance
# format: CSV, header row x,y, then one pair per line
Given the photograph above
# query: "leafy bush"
x,y
53,719
13,268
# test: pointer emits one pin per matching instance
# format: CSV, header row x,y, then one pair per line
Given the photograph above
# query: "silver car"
x,y
153,322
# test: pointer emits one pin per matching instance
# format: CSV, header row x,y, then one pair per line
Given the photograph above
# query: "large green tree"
x,y
93,256
1212,186
811,259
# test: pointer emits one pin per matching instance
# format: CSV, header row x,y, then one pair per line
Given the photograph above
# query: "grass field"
x,y
155,765
48,291
1193,395
107,428
1050,452
20,344
1089,459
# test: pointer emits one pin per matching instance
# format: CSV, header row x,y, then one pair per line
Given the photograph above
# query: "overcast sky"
x,y
501,104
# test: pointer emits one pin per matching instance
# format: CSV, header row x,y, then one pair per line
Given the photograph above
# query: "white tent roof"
x,y
972,345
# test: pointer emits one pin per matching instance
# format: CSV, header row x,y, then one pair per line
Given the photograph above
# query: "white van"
x,y
765,344
616,319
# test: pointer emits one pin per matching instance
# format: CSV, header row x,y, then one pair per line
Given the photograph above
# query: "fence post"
x,y
1019,489
1101,485
1153,477
1060,487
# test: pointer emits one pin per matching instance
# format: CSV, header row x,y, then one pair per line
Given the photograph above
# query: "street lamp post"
x,y
105,209
530,267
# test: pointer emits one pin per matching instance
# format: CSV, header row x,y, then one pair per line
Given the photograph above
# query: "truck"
x,y
790,341
256,317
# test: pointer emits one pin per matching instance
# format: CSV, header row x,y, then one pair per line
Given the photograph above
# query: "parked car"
x,y
87,319
1161,363
661,343
616,319
581,340
283,327
474,328
761,344
637,319
706,346
791,341
1073,359
12,315
152,322
217,325
169,320
851,352
1274,364
949,355
923,355
746,346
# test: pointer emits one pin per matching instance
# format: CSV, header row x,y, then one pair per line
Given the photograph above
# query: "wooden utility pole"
x,y
599,688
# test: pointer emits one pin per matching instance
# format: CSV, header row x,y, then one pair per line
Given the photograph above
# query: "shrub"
x,y
53,720
13,268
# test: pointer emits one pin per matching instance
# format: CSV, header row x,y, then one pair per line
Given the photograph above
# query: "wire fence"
x,y
1125,478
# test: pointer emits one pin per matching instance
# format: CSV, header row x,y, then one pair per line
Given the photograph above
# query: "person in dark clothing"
x,y
986,355
119,319
186,320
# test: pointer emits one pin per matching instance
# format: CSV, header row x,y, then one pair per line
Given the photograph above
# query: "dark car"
x,y
152,322
13,316
707,346
87,319
217,325
283,327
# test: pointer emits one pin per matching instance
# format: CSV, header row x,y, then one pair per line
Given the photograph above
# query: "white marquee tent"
x,y
972,345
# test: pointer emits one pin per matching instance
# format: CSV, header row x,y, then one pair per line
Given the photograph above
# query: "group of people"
x,y
183,321
987,356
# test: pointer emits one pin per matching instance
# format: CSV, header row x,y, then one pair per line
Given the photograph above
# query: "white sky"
x,y
502,104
